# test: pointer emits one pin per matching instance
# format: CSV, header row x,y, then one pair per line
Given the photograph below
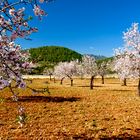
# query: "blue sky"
x,y
86,26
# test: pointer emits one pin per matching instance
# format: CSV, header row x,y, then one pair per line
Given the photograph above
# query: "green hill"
x,y
53,54
48,56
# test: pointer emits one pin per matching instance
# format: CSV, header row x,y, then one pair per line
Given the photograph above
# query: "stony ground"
x,y
109,111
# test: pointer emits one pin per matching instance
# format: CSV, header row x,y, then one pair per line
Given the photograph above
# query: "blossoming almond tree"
x,y
122,65
132,53
90,68
13,25
58,74
103,69
65,70
132,47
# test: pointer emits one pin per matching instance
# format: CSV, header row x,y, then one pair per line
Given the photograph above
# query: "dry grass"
x,y
109,111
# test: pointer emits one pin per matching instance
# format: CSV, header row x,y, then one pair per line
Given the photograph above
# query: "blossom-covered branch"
x,y
14,23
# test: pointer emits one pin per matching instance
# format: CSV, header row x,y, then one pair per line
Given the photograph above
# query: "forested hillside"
x,y
53,54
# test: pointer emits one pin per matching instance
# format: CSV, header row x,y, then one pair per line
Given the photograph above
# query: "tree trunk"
x,y
139,88
124,82
103,81
62,80
91,82
71,81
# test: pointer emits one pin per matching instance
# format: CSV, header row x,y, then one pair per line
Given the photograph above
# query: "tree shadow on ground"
x,y
46,82
47,99
120,90
133,85
113,83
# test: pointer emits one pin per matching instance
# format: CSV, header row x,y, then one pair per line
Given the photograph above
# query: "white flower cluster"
x,y
127,59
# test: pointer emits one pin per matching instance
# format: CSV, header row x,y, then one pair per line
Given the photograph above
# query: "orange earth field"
x,y
109,111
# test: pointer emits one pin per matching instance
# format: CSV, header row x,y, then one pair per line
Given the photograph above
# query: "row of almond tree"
x,y
85,68
126,62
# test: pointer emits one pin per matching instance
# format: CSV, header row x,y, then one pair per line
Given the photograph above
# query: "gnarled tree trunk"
x,y
62,80
103,81
124,82
50,77
92,82
71,81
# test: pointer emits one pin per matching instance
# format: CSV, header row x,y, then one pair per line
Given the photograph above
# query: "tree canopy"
x,y
53,54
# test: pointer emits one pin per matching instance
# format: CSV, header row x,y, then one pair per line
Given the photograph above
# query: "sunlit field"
x,y
108,111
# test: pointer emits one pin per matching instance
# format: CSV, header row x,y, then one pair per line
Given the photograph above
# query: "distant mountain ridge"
x,y
97,57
